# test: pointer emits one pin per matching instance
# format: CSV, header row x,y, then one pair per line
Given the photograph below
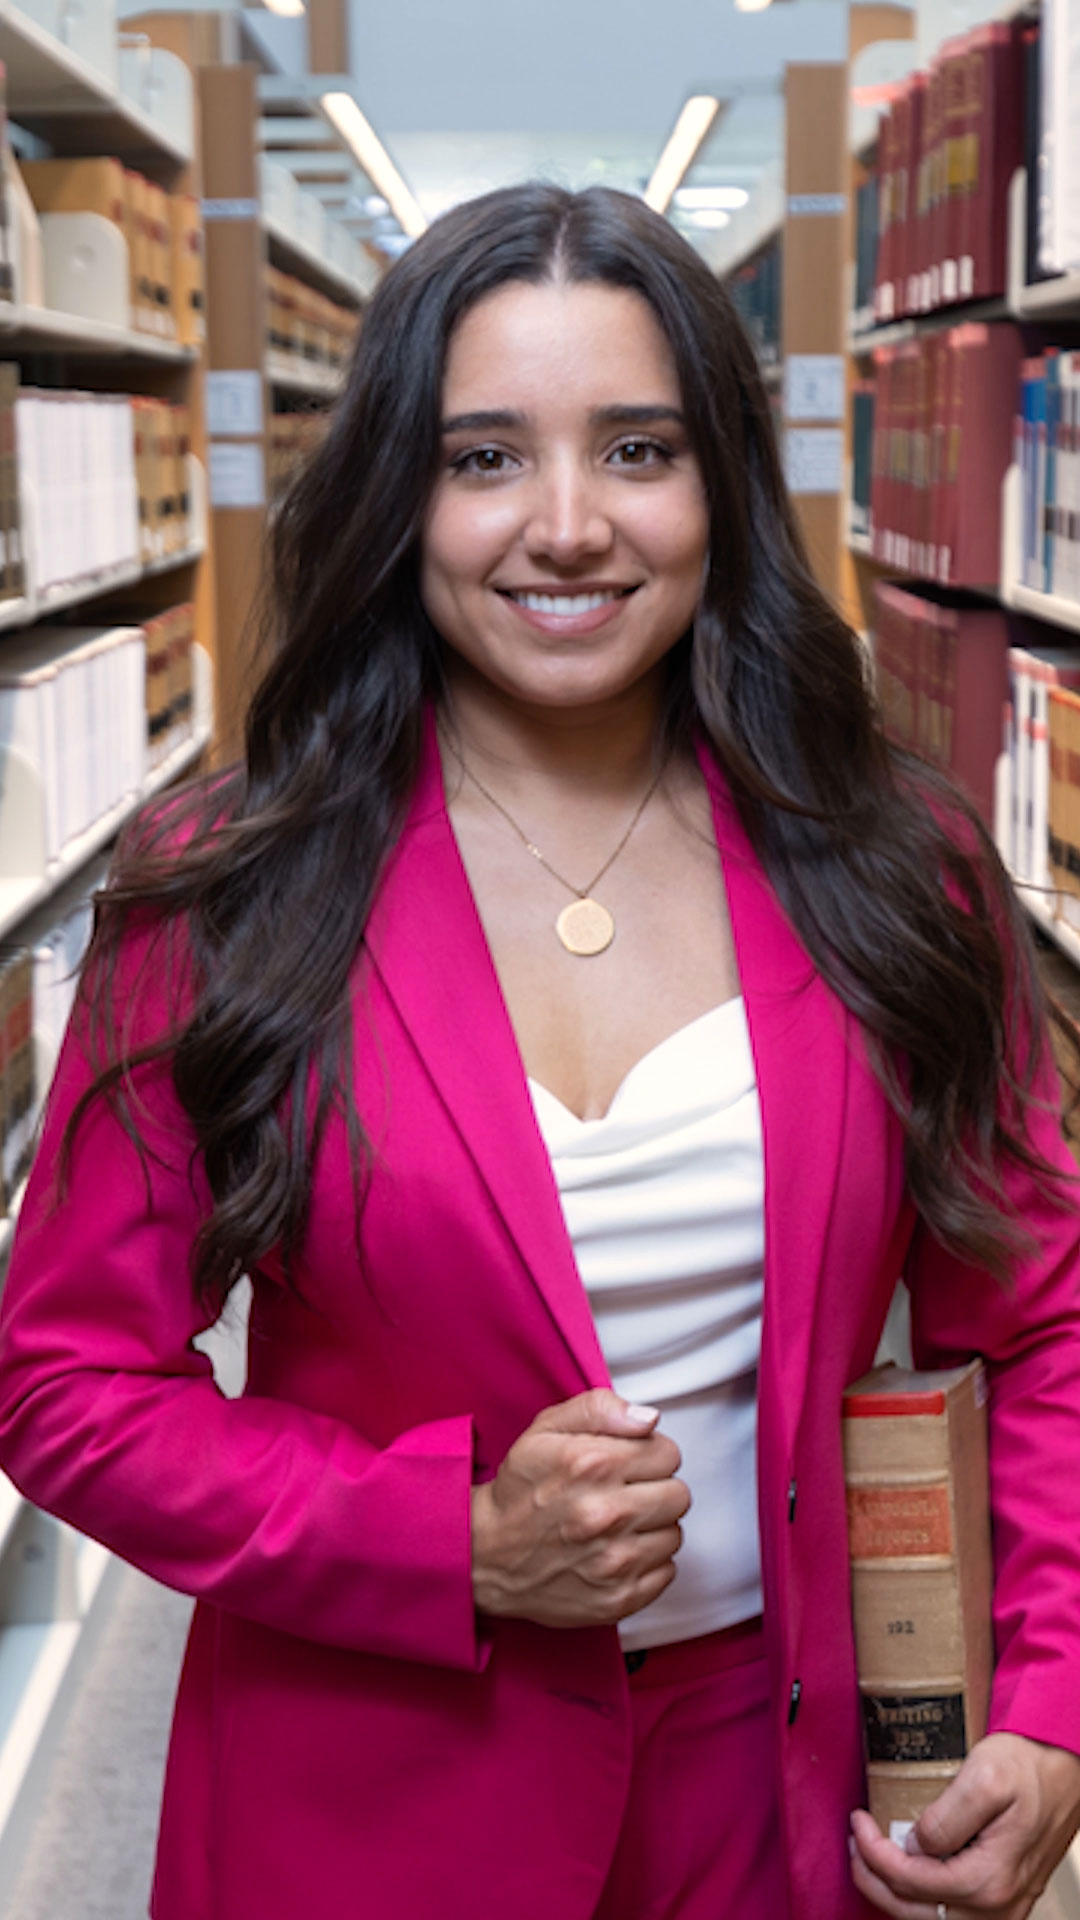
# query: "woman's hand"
x,y
987,1845
580,1525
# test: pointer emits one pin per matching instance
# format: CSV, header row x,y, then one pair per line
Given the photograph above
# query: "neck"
x,y
610,747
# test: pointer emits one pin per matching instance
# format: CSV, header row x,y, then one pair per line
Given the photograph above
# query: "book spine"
x,y
919,1540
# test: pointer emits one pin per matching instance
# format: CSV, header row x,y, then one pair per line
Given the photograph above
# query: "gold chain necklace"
x,y
584,927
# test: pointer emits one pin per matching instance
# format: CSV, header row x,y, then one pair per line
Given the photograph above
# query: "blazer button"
x,y
792,1497
793,1702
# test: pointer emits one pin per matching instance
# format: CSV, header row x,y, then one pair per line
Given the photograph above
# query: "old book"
x,y
915,1463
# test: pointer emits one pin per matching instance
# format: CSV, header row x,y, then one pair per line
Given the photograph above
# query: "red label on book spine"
x,y
897,1523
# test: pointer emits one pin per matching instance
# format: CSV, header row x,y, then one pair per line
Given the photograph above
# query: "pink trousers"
x,y
701,1838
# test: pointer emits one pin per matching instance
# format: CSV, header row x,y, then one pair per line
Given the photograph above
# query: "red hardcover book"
x,y
925,189
880,491
986,372
955,110
936,183
996,150
914,218
886,163
901,132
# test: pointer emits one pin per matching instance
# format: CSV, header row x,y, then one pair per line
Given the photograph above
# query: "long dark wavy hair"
x,y
270,870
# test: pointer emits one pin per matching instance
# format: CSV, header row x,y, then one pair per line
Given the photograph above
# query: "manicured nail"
x,y
642,1416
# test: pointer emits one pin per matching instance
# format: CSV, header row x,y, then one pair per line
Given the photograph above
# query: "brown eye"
x,y
641,453
482,460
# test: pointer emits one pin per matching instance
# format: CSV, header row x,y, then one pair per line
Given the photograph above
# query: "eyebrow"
x,y
619,415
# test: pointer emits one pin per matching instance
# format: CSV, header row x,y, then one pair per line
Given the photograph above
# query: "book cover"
x,y
915,1464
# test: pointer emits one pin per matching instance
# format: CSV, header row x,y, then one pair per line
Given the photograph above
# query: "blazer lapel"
x,y
427,943
798,1033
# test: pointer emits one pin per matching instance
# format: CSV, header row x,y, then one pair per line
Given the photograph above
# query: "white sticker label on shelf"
x,y
234,403
237,474
816,204
230,209
814,459
814,386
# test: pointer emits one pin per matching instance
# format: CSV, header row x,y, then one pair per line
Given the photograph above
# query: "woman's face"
x,y
565,543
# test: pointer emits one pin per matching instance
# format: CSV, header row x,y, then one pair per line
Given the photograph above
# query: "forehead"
x,y
530,347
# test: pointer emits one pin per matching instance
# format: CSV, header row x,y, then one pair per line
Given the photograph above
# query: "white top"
x,y
664,1204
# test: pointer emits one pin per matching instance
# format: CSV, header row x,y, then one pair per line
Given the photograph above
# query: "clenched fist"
x,y
580,1525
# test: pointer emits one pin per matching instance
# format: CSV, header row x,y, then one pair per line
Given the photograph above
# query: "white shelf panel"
x,y
290,375
21,896
47,329
1045,606
292,256
23,612
7,1234
48,83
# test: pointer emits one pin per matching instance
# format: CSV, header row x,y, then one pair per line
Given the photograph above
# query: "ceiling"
x,y
473,94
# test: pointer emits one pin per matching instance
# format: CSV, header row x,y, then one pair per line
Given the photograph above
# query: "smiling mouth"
x,y
567,604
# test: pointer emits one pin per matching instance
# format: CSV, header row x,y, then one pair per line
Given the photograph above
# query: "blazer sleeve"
x,y
1029,1333
111,1419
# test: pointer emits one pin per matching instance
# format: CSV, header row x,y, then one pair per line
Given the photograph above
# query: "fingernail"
x,y
642,1416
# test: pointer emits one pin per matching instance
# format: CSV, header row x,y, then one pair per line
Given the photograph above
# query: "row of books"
x,y
86,710
1063,803
101,479
290,439
1024,826
942,675
37,992
162,232
755,288
304,324
948,147
933,438
1048,457
170,682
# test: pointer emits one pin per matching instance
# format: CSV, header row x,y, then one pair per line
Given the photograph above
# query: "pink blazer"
x,y
345,1741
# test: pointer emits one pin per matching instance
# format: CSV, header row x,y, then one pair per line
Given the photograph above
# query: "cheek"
x,y
463,540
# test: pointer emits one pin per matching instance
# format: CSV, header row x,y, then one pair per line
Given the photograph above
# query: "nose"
x,y
568,520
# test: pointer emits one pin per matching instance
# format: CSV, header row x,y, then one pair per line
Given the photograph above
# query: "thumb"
x,y
968,1803
601,1410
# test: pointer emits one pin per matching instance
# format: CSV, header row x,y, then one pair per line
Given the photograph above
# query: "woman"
x,y
569,921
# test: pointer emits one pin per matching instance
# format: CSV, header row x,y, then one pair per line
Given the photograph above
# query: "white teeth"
x,y
564,603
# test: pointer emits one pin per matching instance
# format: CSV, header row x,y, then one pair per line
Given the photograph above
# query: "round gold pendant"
x,y
585,927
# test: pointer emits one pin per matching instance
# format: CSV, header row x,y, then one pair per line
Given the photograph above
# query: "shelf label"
x,y
813,386
814,459
230,209
234,404
237,474
815,204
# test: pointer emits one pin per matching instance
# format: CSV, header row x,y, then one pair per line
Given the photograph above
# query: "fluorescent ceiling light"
x,y
289,8
359,134
678,156
695,198
752,6
708,217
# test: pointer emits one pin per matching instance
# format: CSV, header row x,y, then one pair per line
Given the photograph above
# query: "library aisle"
x,y
90,1850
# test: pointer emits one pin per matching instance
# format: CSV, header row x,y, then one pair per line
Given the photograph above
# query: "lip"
x,y
570,623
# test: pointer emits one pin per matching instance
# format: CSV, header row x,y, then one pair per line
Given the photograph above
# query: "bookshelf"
x,y
120,96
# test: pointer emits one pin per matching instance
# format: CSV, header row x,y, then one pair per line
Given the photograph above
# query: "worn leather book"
x,y
915,1463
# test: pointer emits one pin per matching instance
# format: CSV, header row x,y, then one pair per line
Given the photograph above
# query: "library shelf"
x,y
896,332
41,1663
1051,607
7,1234
48,329
862,544
29,608
21,894
1043,606
51,87
1038,909
289,375
1054,299
293,256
